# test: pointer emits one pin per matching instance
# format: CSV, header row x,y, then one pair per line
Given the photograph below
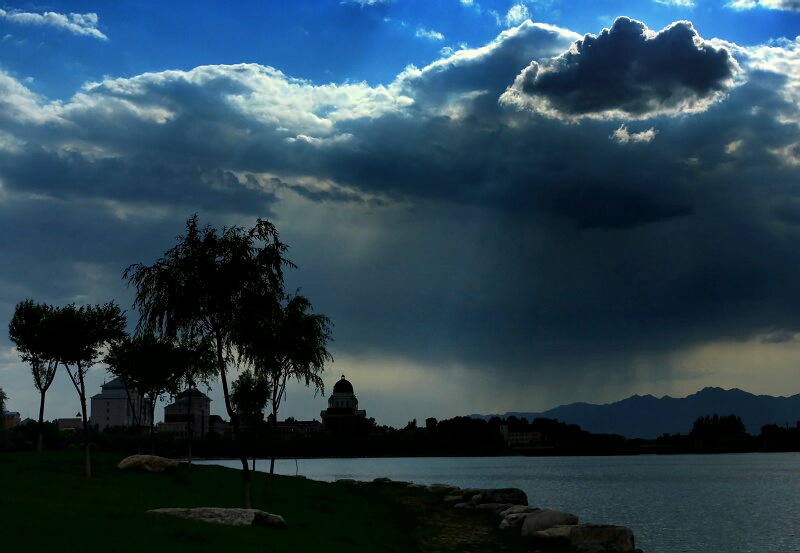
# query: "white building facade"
x,y
111,407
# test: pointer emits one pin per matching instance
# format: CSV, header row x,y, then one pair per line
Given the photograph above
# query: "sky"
x,y
501,205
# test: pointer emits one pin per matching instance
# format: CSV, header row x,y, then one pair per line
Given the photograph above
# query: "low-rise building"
x,y
190,408
291,427
70,424
111,407
10,419
518,437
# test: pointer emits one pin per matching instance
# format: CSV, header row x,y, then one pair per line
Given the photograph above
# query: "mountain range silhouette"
x,y
650,417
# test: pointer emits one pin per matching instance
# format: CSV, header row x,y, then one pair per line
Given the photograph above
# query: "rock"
x,y
585,538
497,508
149,463
458,498
441,489
513,521
463,506
514,509
382,480
268,520
544,519
505,495
503,507
346,481
231,517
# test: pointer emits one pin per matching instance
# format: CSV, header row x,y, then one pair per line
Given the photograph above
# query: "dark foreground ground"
x,y
48,505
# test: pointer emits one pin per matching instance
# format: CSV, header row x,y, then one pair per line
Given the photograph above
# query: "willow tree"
x,y
249,396
31,330
203,285
195,364
79,335
284,344
150,366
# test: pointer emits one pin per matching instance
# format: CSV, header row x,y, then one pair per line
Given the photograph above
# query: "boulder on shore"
x,y
481,496
544,519
585,538
148,463
231,517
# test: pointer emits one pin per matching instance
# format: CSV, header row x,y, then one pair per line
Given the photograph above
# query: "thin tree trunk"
x,y
190,421
152,426
40,431
274,440
86,443
237,433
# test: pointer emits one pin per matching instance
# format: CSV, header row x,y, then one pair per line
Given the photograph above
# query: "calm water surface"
x,y
747,503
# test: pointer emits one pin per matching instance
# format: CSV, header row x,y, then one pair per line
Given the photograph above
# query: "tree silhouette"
x,y
283,344
148,365
30,330
3,399
195,364
250,395
202,286
78,335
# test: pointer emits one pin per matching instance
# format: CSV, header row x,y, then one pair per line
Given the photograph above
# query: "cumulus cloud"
x,y
623,135
434,225
517,14
679,3
630,72
784,5
429,34
76,23
473,78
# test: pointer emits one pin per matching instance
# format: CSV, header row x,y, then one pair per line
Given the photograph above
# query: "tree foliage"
x,y
31,329
712,429
78,336
283,344
206,283
149,365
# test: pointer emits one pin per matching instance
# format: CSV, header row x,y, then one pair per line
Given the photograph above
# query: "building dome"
x,y
343,387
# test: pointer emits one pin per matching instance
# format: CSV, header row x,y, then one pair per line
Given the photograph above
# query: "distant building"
x,y
291,427
517,437
111,407
10,419
70,424
189,405
221,427
343,414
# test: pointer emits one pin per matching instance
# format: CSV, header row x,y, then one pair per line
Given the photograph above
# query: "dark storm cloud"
x,y
603,206
485,71
629,71
430,222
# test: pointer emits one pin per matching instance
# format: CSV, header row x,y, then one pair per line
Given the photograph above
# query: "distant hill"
x,y
650,417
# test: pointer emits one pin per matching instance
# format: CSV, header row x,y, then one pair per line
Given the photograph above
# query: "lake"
x,y
744,503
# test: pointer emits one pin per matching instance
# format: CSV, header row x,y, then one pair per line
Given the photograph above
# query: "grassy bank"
x,y
49,505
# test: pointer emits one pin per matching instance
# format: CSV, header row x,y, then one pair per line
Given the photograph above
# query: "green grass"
x,y
47,505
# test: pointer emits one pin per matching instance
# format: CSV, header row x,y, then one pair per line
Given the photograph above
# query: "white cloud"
x,y
367,2
623,136
429,34
784,5
733,147
517,14
781,57
679,3
80,24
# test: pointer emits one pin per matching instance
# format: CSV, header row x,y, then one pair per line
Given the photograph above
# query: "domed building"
x,y
343,413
